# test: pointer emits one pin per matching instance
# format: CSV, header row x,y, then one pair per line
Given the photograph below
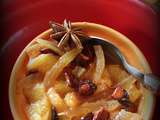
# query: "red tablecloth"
x,y
22,20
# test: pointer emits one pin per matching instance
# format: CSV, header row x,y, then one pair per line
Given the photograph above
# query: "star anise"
x,y
65,33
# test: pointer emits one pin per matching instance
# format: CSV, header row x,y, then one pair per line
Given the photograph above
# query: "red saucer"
x,y
25,19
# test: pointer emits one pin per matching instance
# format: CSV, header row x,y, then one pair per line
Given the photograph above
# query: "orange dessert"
x,y
59,77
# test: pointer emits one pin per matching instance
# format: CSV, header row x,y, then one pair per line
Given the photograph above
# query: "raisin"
x,y
122,96
87,88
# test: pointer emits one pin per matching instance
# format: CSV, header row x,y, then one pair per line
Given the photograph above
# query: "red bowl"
x,y
23,20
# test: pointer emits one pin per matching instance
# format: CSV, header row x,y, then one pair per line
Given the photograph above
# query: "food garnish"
x,y
66,33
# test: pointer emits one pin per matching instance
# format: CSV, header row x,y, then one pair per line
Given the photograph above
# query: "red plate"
x,y
25,19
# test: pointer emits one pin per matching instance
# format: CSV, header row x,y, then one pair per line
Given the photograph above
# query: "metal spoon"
x,y
149,80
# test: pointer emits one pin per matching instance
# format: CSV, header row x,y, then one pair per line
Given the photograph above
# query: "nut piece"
x,y
101,114
122,96
118,93
87,88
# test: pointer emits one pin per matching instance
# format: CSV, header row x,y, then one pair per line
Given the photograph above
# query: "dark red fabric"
x,y
22,20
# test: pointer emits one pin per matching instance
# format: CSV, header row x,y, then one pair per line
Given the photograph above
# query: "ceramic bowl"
x,y
133,55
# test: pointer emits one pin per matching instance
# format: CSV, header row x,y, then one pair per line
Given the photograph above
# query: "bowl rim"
x,y
122,37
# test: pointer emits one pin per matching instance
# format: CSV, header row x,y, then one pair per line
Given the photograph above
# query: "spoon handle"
x,y
152,82
149,80
134,71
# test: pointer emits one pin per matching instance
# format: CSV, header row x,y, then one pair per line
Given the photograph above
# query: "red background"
x,y
22,20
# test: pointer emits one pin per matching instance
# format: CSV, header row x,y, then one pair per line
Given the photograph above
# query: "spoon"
x,y
149,80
